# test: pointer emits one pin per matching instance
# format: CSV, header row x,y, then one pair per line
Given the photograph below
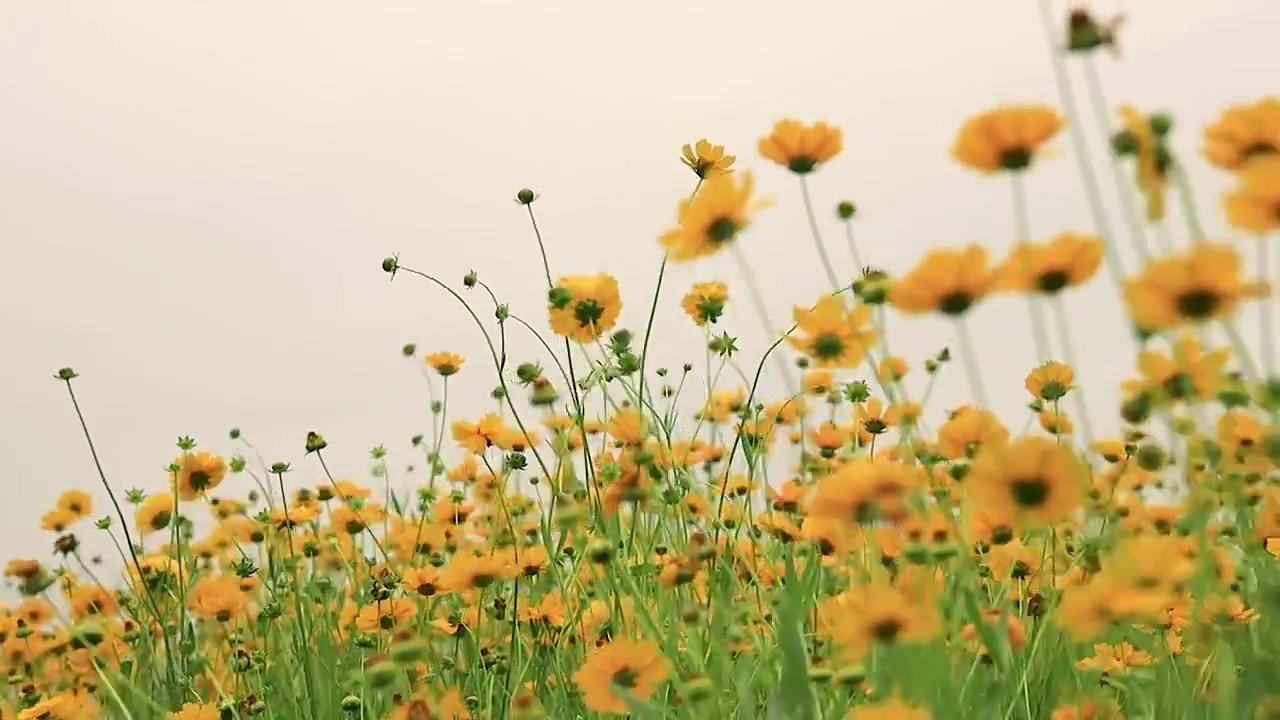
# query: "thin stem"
x,y
970,360
1097,209
1022,230
1124,189
1068,349
817,236
124,523
1266,309
653,306
1187,199
763,312
853,244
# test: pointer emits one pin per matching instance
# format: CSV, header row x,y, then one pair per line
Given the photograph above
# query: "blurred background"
x,y
195,198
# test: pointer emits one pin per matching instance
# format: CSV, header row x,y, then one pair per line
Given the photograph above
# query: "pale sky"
x,y
197,196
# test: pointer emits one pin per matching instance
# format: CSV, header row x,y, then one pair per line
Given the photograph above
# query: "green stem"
x,y
1022,229
969,357
817,235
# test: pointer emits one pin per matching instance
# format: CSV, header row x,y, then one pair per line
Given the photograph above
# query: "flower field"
x,y
798,535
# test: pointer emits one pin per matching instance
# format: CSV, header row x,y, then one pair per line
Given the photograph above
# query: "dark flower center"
x,y
828,346
161,520
1029,493
1258,148
801,165
1015,159
1198,304
626,678
1052,281
199,480
956,303
588,312
886,631
1179,386
722,230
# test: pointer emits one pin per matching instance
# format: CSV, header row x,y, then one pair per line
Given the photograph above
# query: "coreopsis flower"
x,y
1199,285
584,307
1007,138
706,160
948,281
1243,132
713,218
801,148
1254,205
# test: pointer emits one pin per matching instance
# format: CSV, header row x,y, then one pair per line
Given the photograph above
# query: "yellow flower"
x,y
879,614
1050,381
1154,159
217,597
711,219
1033,478
445,363
1006,138
635,667
705,301
707,160
155,513
1066,261
76,502
1193,287
584,307
1255,204
800,148
197,474
946,280
1242,133
833,336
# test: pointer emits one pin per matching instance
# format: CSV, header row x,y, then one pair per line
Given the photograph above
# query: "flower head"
x,y
705,302
706,160
948,281
584,307
1255,204
1199,285
1033,479
801,148
1066,261
831,335
445,363
713,218
1007,138
1242,133
633,667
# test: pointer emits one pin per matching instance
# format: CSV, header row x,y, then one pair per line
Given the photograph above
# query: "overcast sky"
x,y
195,197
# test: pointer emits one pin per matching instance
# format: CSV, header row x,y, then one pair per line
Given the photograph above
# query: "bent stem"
x,y
124,525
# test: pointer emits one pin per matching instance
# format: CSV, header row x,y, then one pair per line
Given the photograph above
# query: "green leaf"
x,y
795,694
1224,683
